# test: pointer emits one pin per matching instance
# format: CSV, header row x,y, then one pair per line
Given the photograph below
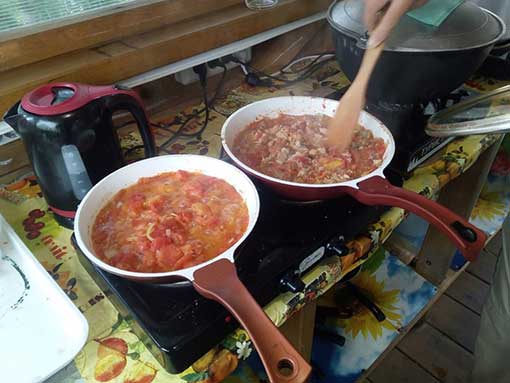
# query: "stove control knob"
x,y
291,282
337,247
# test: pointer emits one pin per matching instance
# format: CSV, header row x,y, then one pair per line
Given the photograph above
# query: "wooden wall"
x,y
121,45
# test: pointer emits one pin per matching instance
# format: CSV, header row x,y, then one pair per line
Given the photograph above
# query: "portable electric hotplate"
x,y
289,238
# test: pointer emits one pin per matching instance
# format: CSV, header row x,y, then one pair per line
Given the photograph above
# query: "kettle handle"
x,y
123,98
11,116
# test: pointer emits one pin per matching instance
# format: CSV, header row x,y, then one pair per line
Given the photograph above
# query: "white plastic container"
x,y
41,330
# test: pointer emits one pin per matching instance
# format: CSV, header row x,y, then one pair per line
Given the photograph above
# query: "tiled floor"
x,y
440,348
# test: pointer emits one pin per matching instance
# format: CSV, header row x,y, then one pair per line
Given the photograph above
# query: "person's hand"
x,y
379,27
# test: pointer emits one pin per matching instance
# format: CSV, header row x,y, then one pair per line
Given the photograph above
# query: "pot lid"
x,y
467,27
488,113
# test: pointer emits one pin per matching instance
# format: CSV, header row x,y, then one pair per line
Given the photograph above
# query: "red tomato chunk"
x,y
292,148
169,222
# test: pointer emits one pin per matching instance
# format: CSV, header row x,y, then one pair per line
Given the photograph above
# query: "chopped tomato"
x,y
136,202
202,214
185,217
169,221
158,243
184,261
194,189
182,175
168,256
125,261
176,238
156,203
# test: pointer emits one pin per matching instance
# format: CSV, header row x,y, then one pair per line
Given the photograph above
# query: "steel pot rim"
x,y
361,40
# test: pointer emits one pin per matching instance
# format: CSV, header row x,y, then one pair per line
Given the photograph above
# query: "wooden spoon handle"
x,y
342,125
368,63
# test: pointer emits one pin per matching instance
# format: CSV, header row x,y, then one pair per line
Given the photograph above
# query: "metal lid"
x,y
488,113
467,27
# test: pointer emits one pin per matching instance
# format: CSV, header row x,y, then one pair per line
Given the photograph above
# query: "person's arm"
x,y
394,10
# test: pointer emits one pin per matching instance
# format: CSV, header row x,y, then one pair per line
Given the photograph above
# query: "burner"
x,y
178,326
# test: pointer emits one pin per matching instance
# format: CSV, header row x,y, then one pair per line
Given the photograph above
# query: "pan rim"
x,y
388,155
183,274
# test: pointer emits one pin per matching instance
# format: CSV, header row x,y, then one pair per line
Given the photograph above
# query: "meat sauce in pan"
x,y
292,148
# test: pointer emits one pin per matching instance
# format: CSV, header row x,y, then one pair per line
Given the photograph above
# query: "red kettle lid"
x,y
63,97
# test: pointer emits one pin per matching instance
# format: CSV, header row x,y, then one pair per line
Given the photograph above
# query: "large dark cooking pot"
x,y
419,62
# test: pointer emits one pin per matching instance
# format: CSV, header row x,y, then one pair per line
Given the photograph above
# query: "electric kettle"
x,y
70,138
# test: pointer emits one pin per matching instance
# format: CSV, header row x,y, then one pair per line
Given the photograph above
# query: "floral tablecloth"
x,y
113,353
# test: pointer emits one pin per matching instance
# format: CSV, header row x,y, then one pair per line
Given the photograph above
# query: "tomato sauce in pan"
x,y
292,148
169,222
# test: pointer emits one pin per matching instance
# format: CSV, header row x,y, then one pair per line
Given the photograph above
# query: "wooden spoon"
x,y
342,125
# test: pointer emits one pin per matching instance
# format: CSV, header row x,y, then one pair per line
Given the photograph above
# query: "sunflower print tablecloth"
x,y
113,353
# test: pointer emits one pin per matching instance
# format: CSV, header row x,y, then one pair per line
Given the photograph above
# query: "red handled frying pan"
x,y
371,189
215,279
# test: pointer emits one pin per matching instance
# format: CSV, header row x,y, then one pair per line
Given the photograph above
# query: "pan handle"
x,y
378,191
219,281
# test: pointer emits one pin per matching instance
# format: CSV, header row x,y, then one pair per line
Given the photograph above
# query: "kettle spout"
x,y
12,117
